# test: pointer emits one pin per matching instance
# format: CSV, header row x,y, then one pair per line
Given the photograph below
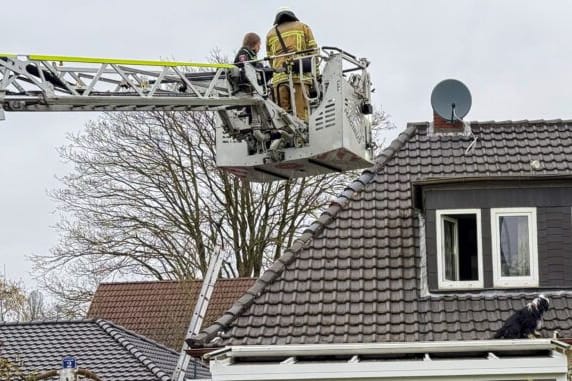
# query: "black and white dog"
x,y
525,321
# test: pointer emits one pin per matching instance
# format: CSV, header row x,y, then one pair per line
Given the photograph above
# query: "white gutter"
x,y
495,359
385,348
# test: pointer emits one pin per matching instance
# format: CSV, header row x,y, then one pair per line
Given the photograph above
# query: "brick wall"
x,y
441,125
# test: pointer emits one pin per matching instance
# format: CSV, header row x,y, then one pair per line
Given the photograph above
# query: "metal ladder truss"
x,y
61,83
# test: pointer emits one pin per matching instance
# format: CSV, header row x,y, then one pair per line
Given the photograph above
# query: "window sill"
x,y
452,286
531,284
488,290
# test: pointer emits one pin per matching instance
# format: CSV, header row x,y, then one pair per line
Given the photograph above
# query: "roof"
x,y
162,310
354,274
111,352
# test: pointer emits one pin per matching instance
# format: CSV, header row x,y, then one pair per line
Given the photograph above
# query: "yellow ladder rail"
x,y
118,61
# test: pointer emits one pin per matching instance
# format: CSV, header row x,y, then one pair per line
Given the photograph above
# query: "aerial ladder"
x,y
264,144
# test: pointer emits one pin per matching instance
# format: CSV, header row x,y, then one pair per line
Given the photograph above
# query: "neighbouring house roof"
x,y
110,351
162,310
354,275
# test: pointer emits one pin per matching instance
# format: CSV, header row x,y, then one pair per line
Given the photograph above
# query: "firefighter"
x,y
289,35
250,48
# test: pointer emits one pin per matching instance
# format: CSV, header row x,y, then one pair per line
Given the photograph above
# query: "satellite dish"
x,y
451,100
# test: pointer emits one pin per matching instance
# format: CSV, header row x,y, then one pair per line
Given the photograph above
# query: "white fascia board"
x,y
383,348
554,367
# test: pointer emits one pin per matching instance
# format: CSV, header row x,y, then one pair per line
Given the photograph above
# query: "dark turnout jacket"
x,y
243,55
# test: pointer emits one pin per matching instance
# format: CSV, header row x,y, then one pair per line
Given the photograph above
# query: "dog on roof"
x,y
525,322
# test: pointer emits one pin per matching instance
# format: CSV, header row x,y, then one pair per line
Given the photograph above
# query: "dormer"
x,y
497,233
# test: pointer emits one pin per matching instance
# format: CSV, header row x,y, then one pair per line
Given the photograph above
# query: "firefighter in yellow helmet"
x,y
289,35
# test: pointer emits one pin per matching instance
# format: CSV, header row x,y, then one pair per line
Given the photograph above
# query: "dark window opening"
x,y
460,247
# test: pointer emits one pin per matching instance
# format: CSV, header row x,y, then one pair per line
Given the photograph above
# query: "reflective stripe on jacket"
x,y
297,36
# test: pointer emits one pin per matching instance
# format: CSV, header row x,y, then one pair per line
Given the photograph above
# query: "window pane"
x,y
514,245
459,246
449,230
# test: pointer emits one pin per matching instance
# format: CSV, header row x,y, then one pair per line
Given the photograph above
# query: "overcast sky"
x,y
515,57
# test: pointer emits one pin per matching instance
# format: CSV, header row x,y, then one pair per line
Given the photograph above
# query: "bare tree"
x,y
12,300
73,289
16,304
35,308
146,199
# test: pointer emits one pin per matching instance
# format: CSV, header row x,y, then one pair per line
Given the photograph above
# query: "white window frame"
x,y
514,281
444,284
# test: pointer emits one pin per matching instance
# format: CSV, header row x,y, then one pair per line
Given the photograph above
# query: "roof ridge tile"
x,y
115,332
46,321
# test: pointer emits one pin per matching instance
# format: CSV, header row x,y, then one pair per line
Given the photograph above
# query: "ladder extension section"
x,y
59,83
199,313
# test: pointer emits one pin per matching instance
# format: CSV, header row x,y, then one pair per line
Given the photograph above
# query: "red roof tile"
x,y
162,310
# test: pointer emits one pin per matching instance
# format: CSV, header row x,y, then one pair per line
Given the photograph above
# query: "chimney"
x,y
451,102
441,125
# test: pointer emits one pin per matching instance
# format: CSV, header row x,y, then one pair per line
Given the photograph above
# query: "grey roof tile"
x,y
111,352
354,276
